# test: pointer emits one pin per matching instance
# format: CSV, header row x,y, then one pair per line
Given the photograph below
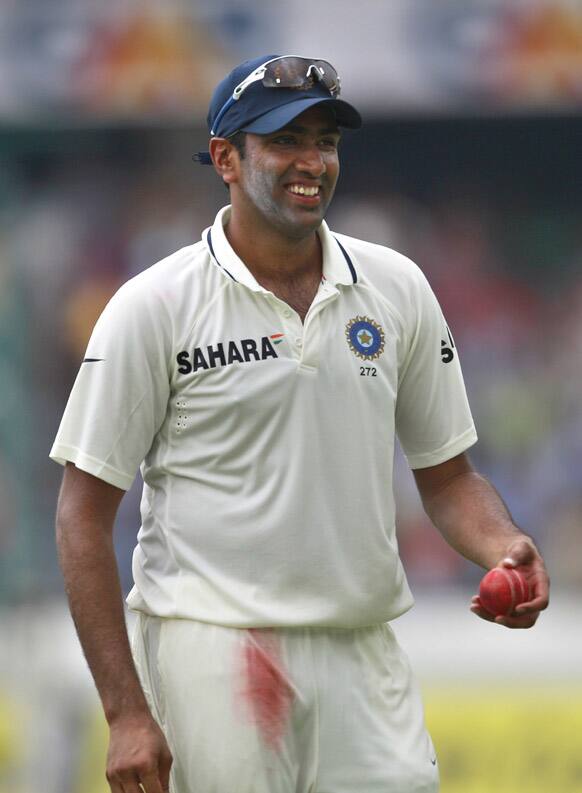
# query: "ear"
x,y
225,159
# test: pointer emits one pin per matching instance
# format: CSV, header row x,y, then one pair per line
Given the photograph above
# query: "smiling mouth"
x,y
306,193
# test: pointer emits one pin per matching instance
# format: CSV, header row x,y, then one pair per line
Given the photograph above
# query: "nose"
x,y
311,161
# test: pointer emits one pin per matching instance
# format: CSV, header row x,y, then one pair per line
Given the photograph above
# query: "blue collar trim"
x,y
348,260
341,247
209,241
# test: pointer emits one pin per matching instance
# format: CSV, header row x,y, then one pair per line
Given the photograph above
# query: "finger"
x,y
131,786
127,785
520,552
513,620
532,606
477,609
539,585
484,615
509,561
157,780
517,559
151,783
476,601
114,786
527,621
124,781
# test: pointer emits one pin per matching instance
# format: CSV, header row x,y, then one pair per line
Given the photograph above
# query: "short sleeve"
x,y
433,418
120,396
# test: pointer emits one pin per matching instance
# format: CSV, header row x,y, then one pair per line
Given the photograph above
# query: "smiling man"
x,y
259,378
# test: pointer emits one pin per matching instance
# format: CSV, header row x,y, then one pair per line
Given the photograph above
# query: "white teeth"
x,y
300,189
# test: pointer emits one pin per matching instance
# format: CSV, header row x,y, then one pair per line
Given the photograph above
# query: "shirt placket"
x,y
310,341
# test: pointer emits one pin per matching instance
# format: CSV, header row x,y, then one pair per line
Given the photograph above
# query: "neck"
x,y
272,256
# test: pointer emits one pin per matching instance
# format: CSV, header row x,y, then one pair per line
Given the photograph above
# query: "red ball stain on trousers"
x,y
265,689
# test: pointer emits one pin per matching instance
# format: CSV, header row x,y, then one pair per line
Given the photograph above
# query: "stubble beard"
x,y
261,189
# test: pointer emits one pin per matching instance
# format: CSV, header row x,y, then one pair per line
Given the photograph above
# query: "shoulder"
x,y
151,303
378,262
166,285
396,277
166,277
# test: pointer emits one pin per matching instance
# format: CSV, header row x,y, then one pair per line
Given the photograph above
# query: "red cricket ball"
x,y
502,589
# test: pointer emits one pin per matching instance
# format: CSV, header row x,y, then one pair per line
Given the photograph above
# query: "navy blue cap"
x,y
264,110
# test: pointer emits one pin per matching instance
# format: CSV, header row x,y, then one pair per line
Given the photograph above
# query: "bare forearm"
x,y
138,751
473,519
92,583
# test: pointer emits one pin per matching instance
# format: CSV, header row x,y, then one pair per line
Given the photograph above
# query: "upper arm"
x,y
433,418
84,497
119,400
431,480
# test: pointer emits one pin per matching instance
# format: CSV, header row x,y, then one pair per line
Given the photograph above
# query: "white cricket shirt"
x,y
266,445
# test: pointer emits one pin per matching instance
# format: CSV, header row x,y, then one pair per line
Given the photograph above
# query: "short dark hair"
x,y
238,140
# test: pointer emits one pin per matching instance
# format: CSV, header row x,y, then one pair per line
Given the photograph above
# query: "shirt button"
x,y
287,312
299,342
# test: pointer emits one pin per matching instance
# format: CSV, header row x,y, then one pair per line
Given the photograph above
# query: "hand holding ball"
x,y
502,589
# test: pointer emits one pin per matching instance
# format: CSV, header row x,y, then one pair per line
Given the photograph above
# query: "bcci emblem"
x,y
365,337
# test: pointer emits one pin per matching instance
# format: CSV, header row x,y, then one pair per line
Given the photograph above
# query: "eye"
x,y
328,143
284,140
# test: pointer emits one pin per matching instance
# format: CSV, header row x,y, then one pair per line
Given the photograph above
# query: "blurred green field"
x,y
501,739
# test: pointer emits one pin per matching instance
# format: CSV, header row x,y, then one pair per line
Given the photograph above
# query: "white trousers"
x,y
285,710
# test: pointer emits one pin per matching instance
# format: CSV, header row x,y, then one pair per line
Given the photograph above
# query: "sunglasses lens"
x,y
300,73
328,76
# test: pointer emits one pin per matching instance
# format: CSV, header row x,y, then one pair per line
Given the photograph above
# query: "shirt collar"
x,y
338,267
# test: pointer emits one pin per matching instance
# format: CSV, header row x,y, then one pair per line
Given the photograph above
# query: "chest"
x,y
298,295
255,361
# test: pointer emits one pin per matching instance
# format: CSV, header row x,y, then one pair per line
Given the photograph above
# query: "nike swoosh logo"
x,y
92,360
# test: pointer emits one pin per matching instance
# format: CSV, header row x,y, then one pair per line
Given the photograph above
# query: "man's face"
x,y
288,177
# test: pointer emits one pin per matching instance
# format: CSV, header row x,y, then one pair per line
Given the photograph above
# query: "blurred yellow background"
x,y
500,738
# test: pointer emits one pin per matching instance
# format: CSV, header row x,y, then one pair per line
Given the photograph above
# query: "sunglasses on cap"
x,y
288,71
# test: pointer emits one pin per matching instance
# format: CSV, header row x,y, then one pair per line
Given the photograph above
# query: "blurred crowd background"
x,y
469,162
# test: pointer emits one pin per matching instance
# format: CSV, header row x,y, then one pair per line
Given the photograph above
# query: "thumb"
x,y
520,552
